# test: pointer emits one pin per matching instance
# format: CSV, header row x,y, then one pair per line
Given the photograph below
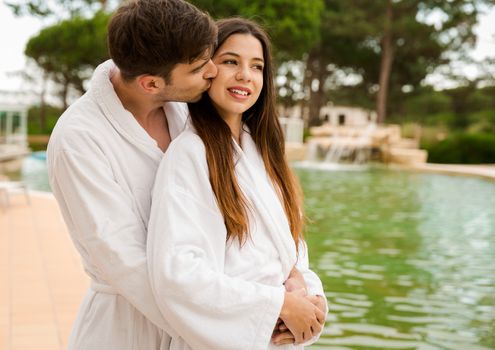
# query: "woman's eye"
x,y
258,66
229,62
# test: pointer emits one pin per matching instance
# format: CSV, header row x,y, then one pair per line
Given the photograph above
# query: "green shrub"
x,y
427,103
34,123
486,115
483,126
432,134
446,118
463,148
479,100
306,134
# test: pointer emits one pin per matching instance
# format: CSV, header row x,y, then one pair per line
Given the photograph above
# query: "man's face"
x,y
188,81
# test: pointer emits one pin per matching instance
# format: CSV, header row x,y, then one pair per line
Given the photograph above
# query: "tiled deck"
x,y
484,171
41,278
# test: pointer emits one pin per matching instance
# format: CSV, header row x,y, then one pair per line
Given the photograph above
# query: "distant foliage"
x,y
293,25
460,109
464,148
52,114
482,121
69,51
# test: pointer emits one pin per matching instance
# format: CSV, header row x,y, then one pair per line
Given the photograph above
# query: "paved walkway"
x,y
41,278
485,171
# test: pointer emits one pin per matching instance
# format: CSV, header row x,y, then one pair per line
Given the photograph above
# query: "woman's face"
x,y
239,80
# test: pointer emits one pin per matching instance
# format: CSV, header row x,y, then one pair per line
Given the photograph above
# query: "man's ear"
x,y
150,83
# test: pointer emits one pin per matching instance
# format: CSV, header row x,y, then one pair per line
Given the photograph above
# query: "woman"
x,y
225,230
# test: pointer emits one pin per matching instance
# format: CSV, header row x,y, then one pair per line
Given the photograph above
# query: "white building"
x,y
347,116
334,115
292,119
13,126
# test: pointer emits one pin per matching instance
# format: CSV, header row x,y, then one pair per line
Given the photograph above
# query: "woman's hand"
x,y
301,316
295,281
319,302
282,335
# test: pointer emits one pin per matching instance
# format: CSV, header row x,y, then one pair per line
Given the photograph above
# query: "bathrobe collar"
x,y
257,185
121,119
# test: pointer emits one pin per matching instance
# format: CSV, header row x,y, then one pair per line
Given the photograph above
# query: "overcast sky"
x,y
15,32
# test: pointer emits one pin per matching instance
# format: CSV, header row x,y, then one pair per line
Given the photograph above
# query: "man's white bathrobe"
x,y
216,294
102,166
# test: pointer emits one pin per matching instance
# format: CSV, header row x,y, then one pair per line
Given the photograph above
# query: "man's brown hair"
x,y
152,36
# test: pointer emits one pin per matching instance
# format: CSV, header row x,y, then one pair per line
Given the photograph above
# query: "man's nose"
x,y
211,70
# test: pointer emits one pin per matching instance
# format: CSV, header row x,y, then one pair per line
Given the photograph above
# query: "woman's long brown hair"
x,y
267,134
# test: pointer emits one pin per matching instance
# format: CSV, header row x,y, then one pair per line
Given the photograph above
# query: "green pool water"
x,y
407,259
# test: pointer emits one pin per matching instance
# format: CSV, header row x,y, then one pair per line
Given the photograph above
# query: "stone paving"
x,y
42,281
485,171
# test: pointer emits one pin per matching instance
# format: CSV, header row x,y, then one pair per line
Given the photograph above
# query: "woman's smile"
x,y
239,80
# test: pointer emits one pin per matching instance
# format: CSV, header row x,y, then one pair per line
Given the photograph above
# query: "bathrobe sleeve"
x,y
186,248
313,282
102,220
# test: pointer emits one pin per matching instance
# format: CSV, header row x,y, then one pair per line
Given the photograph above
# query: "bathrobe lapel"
x,y
122,120
256,184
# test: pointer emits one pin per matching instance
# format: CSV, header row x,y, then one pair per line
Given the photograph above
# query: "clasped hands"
x,y
302,315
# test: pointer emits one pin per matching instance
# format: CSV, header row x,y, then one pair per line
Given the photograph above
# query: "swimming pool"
x,y
407,259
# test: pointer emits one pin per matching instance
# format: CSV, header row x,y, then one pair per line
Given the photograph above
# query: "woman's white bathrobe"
x,y
218,295
102,166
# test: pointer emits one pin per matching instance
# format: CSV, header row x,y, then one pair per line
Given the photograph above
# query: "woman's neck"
x,y
235,123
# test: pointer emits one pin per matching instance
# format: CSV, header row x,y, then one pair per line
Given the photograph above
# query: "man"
x,y
102,159
103,155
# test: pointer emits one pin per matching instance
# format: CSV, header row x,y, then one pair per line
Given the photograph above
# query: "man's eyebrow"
x,y
237,55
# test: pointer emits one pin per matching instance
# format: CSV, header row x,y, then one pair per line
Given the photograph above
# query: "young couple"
x,y
200,247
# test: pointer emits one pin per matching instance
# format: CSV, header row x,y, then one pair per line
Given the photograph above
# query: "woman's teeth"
x,y
239,92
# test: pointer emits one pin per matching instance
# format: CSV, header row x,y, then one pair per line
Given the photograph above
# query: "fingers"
x,y
316,327
281,338
299,292
318,301
301,317
313,299
307,335
320,316
313,330
276,330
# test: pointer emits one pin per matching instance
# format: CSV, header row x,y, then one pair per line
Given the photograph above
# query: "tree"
x,y
68,51
393,45
292,24
63,69
59,9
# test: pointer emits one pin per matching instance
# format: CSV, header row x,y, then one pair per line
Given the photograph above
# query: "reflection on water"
x,y
407,259
34,172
